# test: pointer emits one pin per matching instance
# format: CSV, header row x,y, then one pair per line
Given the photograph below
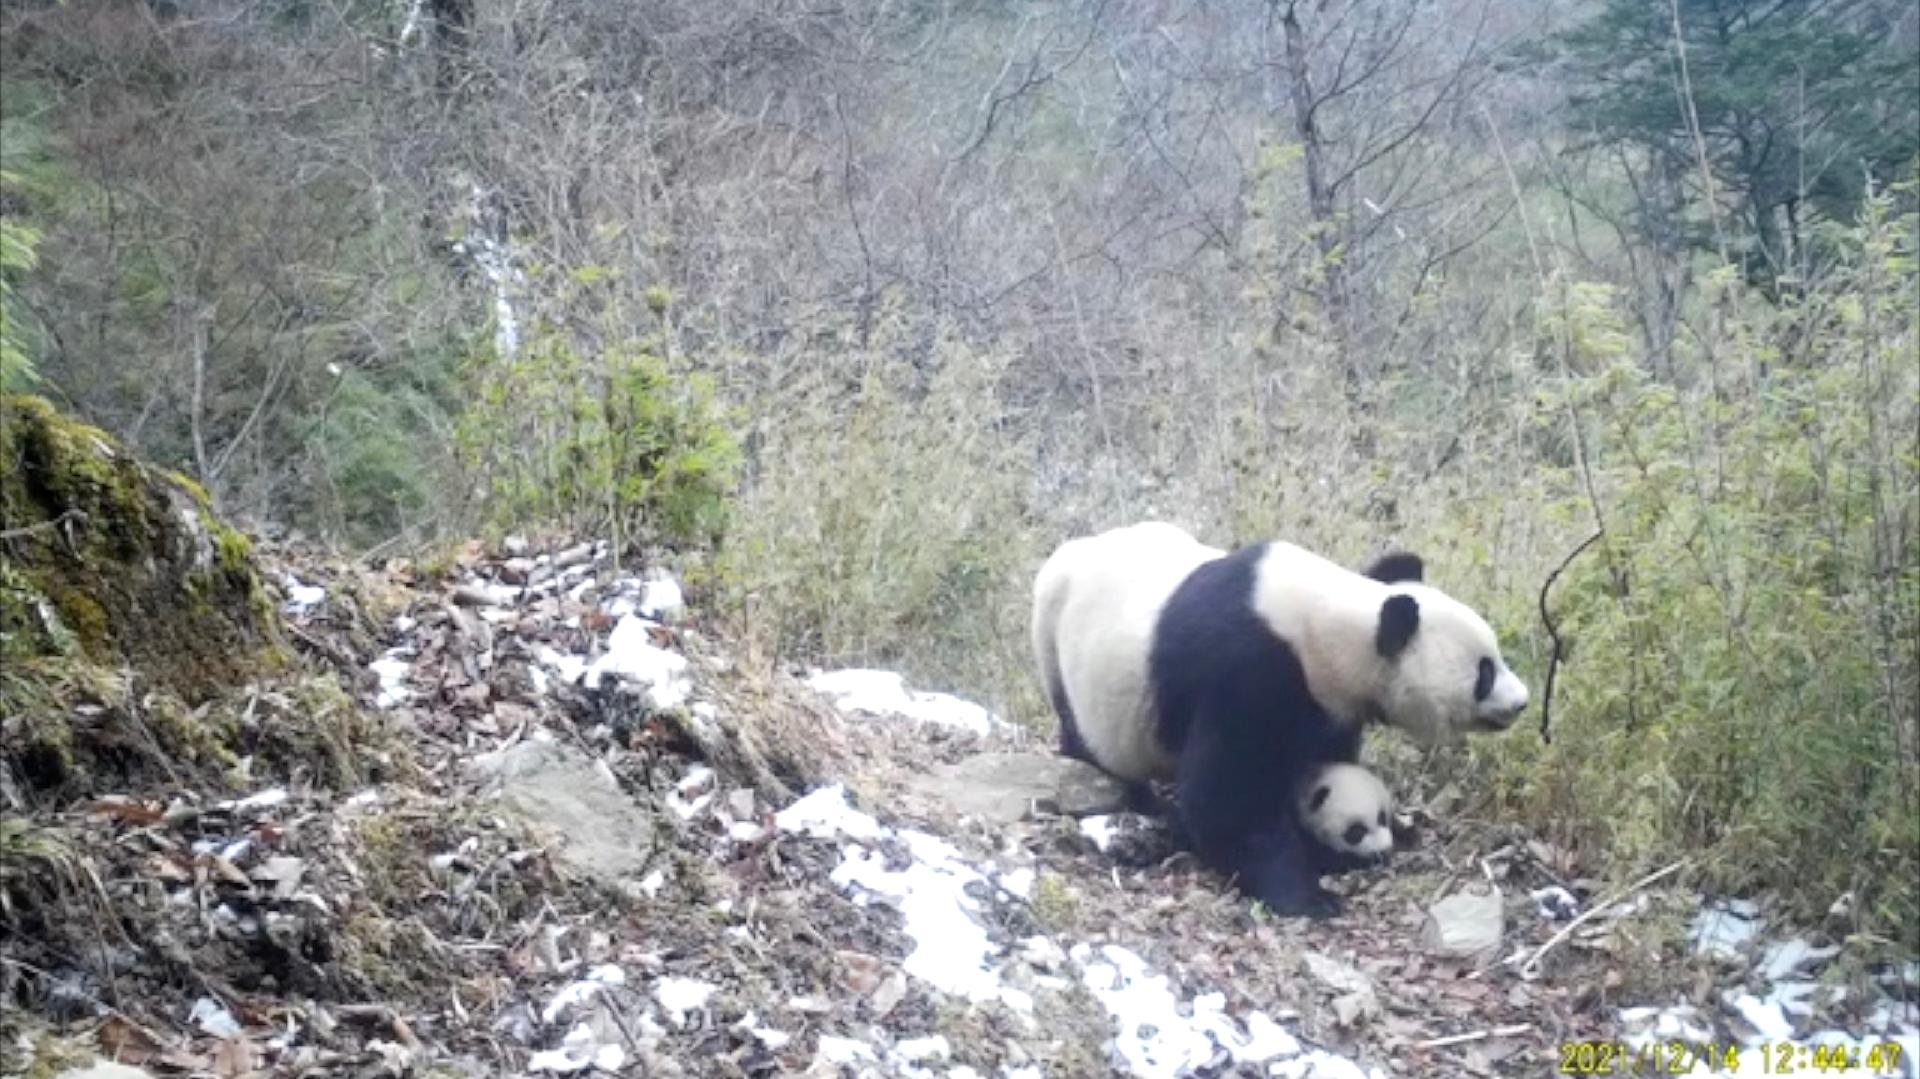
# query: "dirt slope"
x,y
530,814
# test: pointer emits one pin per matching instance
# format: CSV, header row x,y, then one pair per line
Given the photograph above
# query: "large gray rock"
x,y
1007,787
566,796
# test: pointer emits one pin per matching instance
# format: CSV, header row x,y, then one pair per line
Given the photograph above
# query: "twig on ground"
x,y
1474,1036
1531,968
46,526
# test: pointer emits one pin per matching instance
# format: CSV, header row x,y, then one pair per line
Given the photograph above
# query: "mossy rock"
x,y
109,563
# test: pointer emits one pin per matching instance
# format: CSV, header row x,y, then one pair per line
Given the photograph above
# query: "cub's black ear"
x,y
1399,621
1398,566
1319,798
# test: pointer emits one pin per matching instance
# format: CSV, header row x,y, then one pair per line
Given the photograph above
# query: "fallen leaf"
x,y
235,1058
861,972
888,994
127,1042
225,870
126,810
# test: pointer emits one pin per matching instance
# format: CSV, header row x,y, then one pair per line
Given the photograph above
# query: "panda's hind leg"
x,y
1138,794
1239,821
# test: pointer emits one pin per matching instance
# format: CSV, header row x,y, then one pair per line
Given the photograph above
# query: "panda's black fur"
x,y
1233,704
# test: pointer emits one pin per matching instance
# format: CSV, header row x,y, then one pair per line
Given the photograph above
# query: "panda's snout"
x,y
1503,718
1501,709
1506,701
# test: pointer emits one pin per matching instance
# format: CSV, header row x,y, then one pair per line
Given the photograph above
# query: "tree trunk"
x,y
1327,230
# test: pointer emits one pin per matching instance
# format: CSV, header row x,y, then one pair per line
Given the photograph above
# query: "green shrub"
x,y
1741,684
18,255
618,439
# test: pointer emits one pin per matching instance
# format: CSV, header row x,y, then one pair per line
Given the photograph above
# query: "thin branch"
x,y
1553,632
78,516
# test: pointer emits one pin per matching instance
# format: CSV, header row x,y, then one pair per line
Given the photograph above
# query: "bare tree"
x,y
1375,95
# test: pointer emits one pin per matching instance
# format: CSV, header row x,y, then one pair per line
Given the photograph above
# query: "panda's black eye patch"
x,y
1319,796
1483,682
1381,820
1354,834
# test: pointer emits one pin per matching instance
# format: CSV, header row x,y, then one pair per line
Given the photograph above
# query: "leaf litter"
x,y
289,919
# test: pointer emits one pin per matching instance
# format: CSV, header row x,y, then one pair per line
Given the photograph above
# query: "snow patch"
x,y
568,666
1682,1022
661,598
1159,1036
825,814
391,668
860,691
1724,928
682,995
266,799
302,598
582,991
661,674
578,1051
1765,1016
843,1050
951,950
915,1050
1099,829
1018,883
212,1017
1789,956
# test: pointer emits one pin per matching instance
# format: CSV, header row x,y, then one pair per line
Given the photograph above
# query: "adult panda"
x,y
1236,675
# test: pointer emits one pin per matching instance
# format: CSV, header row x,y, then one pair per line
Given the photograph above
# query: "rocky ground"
x,y
539,819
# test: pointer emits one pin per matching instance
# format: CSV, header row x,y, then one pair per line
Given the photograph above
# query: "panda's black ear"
x,y
1399,621
1398,566
1319,798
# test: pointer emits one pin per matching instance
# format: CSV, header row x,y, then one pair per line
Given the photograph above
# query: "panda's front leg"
x,y
1236,813
1281,871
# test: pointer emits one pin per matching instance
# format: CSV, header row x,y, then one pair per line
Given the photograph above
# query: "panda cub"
x,y
1238,675
1348,814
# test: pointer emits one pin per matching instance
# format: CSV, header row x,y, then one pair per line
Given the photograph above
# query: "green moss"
x,y
1055,905
234,549
38,738
312,727
130,559
29,623
191,486
82,615
113,567
197,737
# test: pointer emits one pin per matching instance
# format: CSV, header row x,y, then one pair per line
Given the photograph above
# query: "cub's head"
x,y
1347,809
1441,672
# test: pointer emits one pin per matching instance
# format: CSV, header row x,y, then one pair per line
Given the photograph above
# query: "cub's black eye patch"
x,y
1483,682
1381,820
1354,834
1319,796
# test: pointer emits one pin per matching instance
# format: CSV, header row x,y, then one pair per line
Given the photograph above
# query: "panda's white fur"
x,y
1330,616
1095,602
1348,810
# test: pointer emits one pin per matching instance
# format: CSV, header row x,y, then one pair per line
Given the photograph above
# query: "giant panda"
x,y
1348,816
1234,675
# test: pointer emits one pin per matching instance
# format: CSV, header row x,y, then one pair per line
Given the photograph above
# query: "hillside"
x,y
529,812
